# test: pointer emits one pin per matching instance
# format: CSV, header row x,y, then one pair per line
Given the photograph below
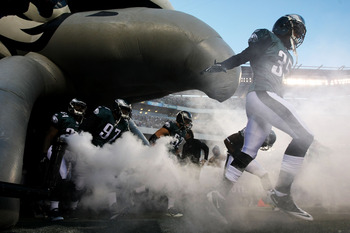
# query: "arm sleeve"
x,y
238,59
206,150
135,130
153,139
258,42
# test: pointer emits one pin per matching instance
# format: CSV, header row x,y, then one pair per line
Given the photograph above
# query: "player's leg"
x,y
256,169
283,116
55,213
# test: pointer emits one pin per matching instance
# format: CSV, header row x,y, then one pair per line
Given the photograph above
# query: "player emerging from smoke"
x,y
191,152
177,130
270,61
63,123
217,159
106,126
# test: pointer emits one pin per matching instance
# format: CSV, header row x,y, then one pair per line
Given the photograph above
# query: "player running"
x,y
106,126
176,129
270,60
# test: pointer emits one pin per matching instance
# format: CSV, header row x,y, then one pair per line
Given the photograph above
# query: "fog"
x,y
128,164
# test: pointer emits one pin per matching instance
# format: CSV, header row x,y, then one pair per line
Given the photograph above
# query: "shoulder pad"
x,y
258,35
97,110
167,125
54,118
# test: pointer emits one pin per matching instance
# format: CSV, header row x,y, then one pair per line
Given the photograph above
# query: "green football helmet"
x,y
291,30
184,118
122,109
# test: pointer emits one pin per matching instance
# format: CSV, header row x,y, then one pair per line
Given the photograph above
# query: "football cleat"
x,y
172,212
287,205
116,212
55,215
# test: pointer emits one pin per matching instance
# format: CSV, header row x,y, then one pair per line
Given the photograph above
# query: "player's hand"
x,y
217,67
44,159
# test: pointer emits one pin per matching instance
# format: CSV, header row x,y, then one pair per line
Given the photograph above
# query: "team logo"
x,y
254,37
96,111
54,119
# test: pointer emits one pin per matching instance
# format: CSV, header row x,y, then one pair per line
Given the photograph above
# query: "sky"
x,y
327,22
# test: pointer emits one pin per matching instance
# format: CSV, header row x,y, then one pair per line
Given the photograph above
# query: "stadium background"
x,y
304,84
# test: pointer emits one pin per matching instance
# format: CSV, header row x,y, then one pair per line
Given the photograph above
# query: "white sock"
x,y
54,205
112,198
280,194
171,202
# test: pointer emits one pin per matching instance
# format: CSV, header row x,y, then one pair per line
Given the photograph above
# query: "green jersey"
x,y
64,123
271,64
103,126
177,133
269,59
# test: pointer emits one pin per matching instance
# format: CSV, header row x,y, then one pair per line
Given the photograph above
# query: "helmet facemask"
x,y
122,110
187,124
125,112
291,30
184,119
77,108
298,31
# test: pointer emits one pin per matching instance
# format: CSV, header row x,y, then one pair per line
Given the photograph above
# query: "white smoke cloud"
x,y
128,163
323,181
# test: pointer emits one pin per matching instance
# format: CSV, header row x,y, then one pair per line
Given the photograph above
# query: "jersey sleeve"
x,y
55,120
258,42
206,150
167,126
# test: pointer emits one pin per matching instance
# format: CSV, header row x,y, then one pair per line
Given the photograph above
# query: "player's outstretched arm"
x,y
217,67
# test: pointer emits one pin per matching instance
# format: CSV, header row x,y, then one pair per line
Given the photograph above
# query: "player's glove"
x,y
44,159
217,67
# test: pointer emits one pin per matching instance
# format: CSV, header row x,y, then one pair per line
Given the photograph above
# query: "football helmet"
x,y
122,109
77,108
269,141
184,118
291,30
216,150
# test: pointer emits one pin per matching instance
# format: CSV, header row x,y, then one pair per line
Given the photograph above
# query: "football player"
x,y
176,129
63,123
192,149
106,126
191,152
270,60
217,158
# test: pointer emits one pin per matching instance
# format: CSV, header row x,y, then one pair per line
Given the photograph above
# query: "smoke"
x,y
323,183
324,179
127,164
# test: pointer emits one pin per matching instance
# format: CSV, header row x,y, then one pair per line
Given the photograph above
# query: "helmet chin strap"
x,y
294,50
292,41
